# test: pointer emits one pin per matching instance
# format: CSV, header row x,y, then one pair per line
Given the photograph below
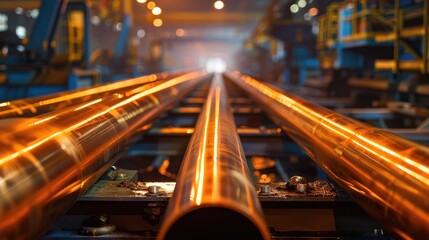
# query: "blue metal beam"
x,y
39,43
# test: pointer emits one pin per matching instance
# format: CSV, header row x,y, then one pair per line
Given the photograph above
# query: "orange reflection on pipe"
x,y
46,163
4,104
386,174
44,120
39,105
88,104
214,180
143,92
199,174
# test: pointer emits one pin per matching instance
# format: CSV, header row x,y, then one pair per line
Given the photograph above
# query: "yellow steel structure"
x,y
398,35
364,14
328,36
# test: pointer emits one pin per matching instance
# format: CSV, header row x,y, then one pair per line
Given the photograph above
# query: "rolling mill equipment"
x,y
241,141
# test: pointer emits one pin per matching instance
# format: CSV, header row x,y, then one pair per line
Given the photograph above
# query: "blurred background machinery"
x,y
193,119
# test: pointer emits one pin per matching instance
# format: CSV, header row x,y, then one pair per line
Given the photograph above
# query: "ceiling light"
x,y
118,27
302,3
95,20
157,22
218,5
141,33
307,16
156,11
141,1
313,11
35,13
21,32
151,5
294,8
180,32
19,10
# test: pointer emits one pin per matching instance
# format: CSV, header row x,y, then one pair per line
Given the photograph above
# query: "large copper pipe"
x,y
386,174
214,196
38,105
46,163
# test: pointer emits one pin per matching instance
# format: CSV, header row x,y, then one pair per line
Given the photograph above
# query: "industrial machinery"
x,y
52,57
371,58
110,166
287,33
328,141
377,51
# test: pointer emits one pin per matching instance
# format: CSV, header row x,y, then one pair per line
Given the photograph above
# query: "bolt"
x,y
153,189
294,181
378,232
111,174
264,190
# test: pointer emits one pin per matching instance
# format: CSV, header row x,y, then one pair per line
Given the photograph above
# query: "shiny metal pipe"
x,y
214,196
386,174
46,163
38,105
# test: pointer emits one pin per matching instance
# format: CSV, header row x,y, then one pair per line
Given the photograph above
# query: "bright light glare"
x,y
156,11
20,48
35,13
21,32
19,10
118,27
151,5
307,16
157,22
3,22
313,11
141,1
141,33
218,5
180,32
294,8
302,3
216,65
95,20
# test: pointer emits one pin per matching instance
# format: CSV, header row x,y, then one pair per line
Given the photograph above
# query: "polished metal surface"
x,y
38,105
386,174
214,195
47,162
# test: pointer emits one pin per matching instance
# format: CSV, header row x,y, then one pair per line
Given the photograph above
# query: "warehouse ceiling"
x,y
199,18
202,12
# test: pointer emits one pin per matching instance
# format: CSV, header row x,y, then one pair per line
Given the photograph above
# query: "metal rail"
x,y
214,195
46,163
386,174
38,105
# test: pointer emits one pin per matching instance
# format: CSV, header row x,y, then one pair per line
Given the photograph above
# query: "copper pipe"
x,y
386,174
46,163
38,105
214,195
